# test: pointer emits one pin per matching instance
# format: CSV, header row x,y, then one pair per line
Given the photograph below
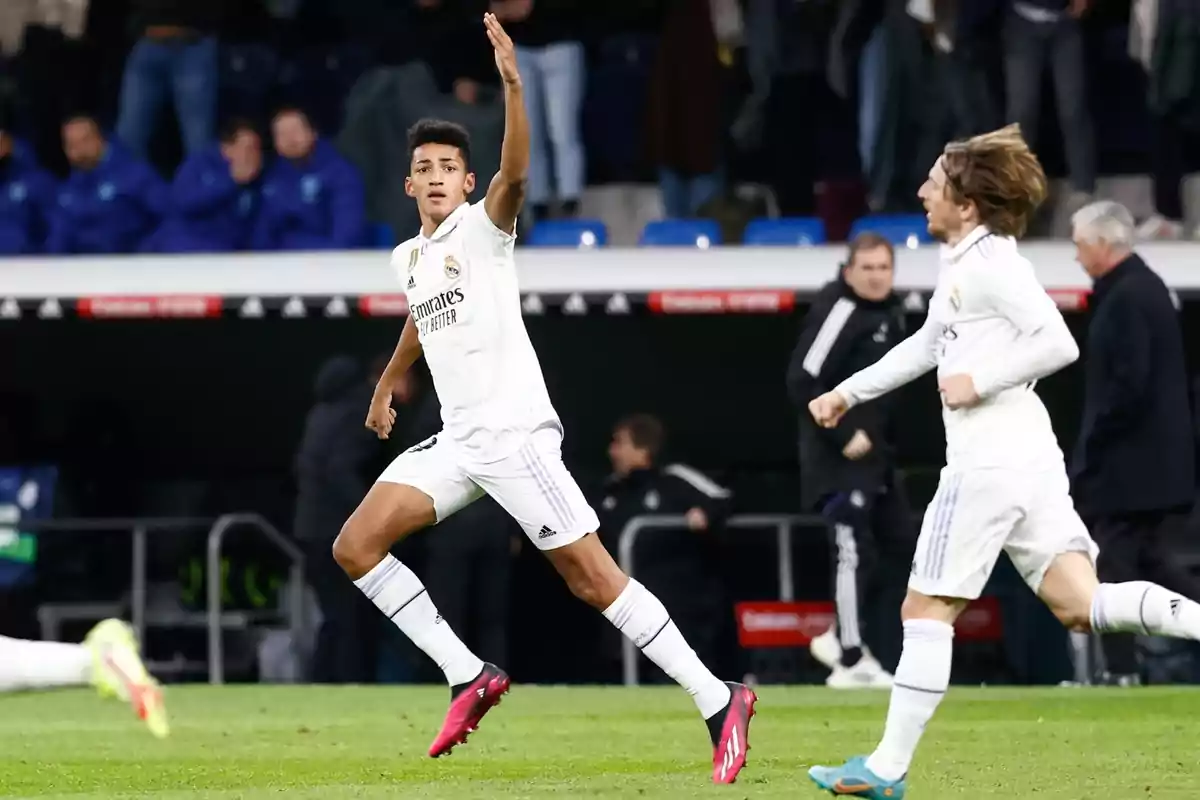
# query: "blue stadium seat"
x,y
902,230
681,233
785,231
569,233
381,236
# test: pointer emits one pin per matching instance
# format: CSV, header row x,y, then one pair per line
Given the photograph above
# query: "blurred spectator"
x,y
786,52
110,202
682,567
312,197
215,197
550,55
174,60
54,70
439,33
335,464
1162,40
1133,471
26,193
1046,33
687,107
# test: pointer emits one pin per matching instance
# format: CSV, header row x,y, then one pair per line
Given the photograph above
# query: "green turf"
x,y
601,744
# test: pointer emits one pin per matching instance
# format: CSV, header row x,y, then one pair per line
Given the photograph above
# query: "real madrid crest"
x,y
412,259
452,268
955,299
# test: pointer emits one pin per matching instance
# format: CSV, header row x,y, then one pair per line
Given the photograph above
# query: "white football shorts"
x,y
532,485
976,514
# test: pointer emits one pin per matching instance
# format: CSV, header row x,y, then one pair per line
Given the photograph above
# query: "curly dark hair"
x,y
440,131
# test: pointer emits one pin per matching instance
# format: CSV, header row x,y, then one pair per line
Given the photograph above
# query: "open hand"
x,y
506,54
858,446
958,391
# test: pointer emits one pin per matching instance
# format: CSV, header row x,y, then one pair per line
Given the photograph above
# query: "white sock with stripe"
x,y
42,665
400,595
1143,607
922,677
644,620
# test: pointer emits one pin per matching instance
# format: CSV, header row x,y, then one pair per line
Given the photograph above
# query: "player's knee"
x,y
355,549
348,552
920,606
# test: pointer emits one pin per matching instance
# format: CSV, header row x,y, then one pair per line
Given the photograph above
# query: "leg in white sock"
x,y
1147,608
922,677
42,665
644,620
400,595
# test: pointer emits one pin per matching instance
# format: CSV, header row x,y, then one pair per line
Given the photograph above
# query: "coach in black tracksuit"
x,y
1133,470
683,567
848,472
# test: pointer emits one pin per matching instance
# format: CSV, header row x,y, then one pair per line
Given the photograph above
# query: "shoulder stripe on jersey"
x,y
830,330
697,480
985,245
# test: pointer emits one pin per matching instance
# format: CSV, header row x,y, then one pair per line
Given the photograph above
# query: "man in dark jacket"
x,y
26,193
1133,471
336,462
682,567
215,197
110,203
470,556
313,199
848,473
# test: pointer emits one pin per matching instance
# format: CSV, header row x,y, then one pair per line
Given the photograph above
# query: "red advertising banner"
x,y
778,624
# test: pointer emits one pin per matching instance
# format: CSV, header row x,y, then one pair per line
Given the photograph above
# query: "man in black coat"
x,y
335,464
1133,470
682,567
848,473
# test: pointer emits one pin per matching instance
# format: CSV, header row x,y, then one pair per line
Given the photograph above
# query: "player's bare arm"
x,y
506,193
381,416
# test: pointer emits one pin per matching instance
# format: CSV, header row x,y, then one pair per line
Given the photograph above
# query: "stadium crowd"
x,y
694,95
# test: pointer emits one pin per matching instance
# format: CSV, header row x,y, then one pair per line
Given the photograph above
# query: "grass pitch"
x,y
588,743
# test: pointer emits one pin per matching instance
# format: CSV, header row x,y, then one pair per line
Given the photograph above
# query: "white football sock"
x,y
402,597
921,680
644,620
1142,607
42,665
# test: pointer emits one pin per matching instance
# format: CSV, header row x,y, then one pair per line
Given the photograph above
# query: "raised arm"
x,y
381,416
506,193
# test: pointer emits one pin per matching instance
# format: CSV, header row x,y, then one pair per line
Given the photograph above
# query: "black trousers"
x,y
872,535
1133,547
469,576
348,639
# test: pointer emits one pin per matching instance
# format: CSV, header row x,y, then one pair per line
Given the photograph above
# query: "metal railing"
x,y
216,540
139,530
781,524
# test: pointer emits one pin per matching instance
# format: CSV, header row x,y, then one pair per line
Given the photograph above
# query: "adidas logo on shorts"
x,y
546,533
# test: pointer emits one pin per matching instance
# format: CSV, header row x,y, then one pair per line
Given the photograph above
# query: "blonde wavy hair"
x,y
999,174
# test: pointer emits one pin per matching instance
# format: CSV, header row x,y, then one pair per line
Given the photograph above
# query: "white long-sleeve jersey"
x,y
991,319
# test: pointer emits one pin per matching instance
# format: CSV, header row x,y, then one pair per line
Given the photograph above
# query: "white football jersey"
x,y
461,285
987,306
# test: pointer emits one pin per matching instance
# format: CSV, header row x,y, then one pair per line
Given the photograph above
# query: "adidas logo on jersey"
x,y
546,533
412,282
